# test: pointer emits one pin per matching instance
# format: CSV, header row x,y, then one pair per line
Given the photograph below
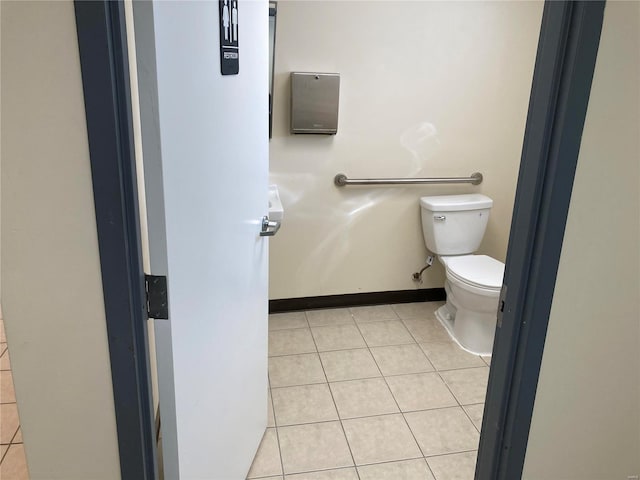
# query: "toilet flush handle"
x,y
439,218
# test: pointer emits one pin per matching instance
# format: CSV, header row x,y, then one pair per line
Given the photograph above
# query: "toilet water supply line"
x,y
417,276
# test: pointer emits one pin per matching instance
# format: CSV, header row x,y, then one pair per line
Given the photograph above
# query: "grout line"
x,y
444,370
460,405
273,406
469,416
10,444
371,378
376,320
366,378
400,409
369,416
355,467
14,436
442,379
285,329
410,332
275,427
450,453
367,345
335,405
339,324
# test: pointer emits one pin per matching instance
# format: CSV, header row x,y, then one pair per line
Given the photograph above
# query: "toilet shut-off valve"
x,y
417,276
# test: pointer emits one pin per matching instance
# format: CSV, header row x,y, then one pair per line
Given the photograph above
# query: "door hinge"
x,y
157,298
501,300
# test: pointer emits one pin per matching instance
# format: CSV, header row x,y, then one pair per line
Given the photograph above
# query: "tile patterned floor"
x,y
370,393
13,465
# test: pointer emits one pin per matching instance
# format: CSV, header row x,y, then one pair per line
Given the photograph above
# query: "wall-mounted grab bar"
x,y
341,180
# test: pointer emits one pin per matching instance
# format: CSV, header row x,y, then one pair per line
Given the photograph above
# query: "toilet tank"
x,y
454,224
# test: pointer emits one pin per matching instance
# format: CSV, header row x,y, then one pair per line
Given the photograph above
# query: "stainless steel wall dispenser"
x,y
314,102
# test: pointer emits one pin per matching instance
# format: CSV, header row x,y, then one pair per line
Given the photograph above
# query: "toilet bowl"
x,y
453,228
472,285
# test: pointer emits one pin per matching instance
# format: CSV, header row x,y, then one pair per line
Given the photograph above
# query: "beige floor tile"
x,y
468,385
3,348
295,370
329,316
283,321
420,391
405,470
338,474
14,464
391,332
349,365
9,422
3,335
291,342
475,413
442,431
373,313
487,359
416,310
267,459
399,359
271,419
3,450
18,437
337,337
362,398
7,393
304,404
279,477
459,466
380,439
5,362
317,446
449,355
427,330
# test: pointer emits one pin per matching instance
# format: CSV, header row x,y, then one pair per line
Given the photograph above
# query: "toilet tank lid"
x,y
452,203
479,270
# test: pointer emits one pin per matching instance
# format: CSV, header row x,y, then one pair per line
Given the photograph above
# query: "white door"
x,y
212,352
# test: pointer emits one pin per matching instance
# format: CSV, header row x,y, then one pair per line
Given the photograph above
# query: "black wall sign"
x,y
229,52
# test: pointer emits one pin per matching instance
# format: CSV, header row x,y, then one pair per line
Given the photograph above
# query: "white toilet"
x,y
453,227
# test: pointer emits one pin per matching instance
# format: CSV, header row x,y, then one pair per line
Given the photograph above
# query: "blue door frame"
x,y
105,77
565,62
568,44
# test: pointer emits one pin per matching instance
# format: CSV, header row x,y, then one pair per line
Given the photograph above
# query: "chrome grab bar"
x,y
341,180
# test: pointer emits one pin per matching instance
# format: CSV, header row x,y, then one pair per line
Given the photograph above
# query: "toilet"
x,y
453,227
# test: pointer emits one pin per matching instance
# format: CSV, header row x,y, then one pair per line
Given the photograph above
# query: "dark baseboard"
x,y
356,300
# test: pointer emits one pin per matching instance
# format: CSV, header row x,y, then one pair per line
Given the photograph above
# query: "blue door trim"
x,y
565,62
105,77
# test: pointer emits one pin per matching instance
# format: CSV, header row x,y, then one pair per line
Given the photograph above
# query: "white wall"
x,y
586,419
52,291
427,89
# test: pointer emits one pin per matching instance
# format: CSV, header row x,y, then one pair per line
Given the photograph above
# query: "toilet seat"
x,y
476,271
